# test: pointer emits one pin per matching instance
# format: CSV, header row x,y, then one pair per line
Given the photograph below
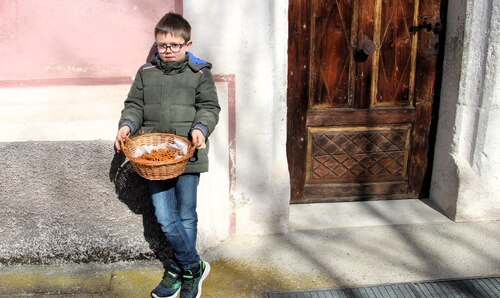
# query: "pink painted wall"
x,y
54,39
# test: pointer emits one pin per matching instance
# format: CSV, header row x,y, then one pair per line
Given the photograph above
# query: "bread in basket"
x,y
157,170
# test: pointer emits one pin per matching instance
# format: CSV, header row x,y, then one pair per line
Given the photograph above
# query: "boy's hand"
x,y
123,133
198,139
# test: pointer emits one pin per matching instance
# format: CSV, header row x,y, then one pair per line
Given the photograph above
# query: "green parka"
x,y
174,97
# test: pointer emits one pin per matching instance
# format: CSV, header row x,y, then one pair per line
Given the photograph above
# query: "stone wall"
x,y
73,201
465,178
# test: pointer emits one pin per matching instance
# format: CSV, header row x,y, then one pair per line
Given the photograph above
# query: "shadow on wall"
x,y
132,190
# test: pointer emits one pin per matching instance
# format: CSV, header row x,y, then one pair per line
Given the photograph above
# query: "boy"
x,y
175,93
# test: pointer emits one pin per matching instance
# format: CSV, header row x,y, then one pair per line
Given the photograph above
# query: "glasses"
x,y
174,47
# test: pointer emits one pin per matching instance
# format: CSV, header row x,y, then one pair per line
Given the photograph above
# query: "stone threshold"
x,y
363,214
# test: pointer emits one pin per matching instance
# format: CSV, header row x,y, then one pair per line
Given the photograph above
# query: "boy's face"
x,y
170,41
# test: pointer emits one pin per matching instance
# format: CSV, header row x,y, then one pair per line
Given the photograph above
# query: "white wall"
x,y
250,40
465,179
61,113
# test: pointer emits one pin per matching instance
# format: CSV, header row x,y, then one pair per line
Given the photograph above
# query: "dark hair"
x,y
174,24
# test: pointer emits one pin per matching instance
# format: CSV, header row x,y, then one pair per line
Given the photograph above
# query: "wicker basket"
x,y
156,170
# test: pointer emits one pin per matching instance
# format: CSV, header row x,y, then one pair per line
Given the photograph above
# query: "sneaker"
x,y
191,282
170,286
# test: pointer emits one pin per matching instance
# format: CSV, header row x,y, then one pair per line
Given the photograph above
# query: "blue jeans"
x,y
175,209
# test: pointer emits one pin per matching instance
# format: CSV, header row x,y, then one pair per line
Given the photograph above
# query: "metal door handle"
x,y
366,46
364,49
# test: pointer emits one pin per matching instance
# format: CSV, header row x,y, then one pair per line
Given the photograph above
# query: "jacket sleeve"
x,y
207,102
133,111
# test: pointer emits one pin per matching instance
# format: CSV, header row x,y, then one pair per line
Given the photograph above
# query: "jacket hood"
x,y
196,64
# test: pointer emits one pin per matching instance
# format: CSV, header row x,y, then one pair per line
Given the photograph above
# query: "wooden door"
x,y
362,76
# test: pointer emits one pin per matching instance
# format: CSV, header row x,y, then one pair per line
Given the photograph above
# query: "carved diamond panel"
x,y
395,52
351,155
331,52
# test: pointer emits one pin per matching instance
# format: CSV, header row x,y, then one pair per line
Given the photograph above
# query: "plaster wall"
x,y
250,41
67,196
465,178
74,39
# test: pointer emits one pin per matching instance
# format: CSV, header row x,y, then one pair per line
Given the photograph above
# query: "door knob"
x,y
365,48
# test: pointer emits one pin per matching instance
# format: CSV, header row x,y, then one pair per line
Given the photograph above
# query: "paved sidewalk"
x,y
313,259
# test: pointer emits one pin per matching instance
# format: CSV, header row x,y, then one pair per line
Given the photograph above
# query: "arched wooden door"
x,y
361,82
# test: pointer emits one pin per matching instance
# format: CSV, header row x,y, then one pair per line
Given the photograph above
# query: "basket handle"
x,y
193,148
122,142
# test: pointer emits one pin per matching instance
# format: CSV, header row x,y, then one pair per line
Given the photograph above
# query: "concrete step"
x,y
363,214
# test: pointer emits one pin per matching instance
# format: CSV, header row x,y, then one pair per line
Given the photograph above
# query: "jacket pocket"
x,y
149,129
183,113
152,113
182,128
